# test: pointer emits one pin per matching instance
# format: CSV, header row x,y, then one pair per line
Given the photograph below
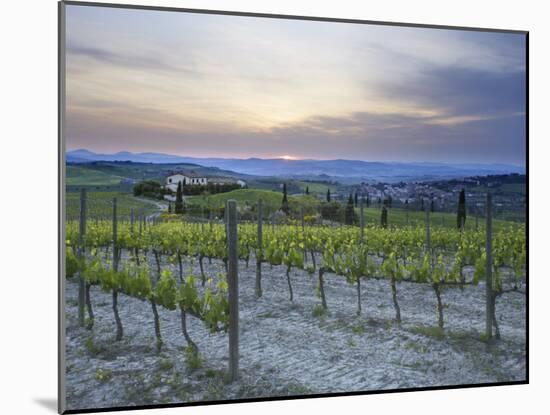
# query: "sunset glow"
x,y
213,85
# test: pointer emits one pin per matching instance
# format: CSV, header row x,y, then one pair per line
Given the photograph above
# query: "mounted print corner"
x,y
255,207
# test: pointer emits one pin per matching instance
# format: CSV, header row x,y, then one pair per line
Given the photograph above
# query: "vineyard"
x,y
367,279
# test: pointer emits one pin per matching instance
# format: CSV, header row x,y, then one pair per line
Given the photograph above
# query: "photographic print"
x,y
256,207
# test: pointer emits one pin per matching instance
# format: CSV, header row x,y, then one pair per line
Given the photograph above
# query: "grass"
x,y
270,199
91,347
506,187
514,187
166,364
358,329
193,360
398,217
103,375
82,176
316,187
100,204
435,332
318,310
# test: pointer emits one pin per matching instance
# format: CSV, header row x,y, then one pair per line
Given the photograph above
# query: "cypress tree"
x,y
307,190
461,213
432,206
368,200
169,207
422,204
179,200
384,217
328,195
284,205
349,214
356,200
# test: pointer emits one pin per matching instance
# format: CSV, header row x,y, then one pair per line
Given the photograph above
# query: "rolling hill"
x,y
345,171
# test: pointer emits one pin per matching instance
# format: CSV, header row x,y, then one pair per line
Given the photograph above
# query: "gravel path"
x,y
287,349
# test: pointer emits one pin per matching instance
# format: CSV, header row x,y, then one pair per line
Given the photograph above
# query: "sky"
x,y
226,86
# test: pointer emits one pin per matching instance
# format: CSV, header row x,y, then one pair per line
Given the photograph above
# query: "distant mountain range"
x,y
341,170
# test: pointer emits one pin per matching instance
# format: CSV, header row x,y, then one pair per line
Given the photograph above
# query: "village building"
x,y
186,178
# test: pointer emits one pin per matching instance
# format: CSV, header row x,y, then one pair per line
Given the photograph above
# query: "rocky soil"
x,y
293,348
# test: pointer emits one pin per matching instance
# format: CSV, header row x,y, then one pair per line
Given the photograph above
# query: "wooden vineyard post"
x,y
225,220
303,233
489,270
115,234
362,219
258,288
81,281
115,268
233,291
428,236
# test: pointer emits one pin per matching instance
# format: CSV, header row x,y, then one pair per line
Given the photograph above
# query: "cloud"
x,y
373,136
462,92
219,85
126,59
362,135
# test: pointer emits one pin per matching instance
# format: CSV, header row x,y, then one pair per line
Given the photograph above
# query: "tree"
x,y
349,214
307,190
149,188
356,200
422,204
331,211
384,217
390,200
328,195
432,206
284,205
368,200
169,207
461,213
179,200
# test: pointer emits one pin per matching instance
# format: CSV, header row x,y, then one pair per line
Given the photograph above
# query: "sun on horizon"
x,y
287,157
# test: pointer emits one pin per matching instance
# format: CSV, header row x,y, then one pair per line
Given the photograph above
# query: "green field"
x,y
82,176
514,187
100,205
244,197
398,217
504,188
316,187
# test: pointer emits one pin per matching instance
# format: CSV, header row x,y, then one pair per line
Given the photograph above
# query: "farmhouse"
x,y
187,178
